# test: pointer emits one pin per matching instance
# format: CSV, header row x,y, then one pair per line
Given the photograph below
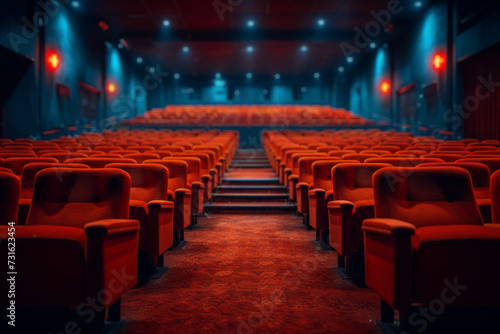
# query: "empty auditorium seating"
x,y
77,242
352,203
148,205
428,218
16,165
10,188
178,193
99,162
495,197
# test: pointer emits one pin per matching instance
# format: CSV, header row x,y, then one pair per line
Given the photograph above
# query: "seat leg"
x,y
181,236
114,311
160,261
317,235
386,312
340,261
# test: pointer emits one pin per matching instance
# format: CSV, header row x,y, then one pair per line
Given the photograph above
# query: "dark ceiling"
x,y
218,41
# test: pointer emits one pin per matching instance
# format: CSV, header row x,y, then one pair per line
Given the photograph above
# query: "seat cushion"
x,y
456,255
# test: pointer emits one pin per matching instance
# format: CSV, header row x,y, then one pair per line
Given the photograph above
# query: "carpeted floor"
x,y
259,273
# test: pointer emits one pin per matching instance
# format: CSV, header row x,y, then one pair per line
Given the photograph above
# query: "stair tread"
x,y
251,205
251,195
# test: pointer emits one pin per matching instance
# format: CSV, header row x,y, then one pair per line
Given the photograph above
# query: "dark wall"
x,y
35,105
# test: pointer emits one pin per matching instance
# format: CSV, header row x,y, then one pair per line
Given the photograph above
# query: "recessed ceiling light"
x,y
341,69
152,69
321,22
418,4
166,23
251,23
249,49
139,60
249,75
75,4
303,48
218,75
177,76
277,76
350,59
120,46
373,45
316,75
303,89
185,49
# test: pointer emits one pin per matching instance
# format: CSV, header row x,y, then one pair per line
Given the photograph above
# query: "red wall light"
x,y
385,87
111,88
438,61
53,60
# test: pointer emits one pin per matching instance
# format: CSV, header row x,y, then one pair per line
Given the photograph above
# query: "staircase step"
x,y
270,189
254,165
251,207
263,181
248,198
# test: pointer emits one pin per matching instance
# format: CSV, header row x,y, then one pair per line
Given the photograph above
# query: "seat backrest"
x,y
140,157
16,165
296,157
203,161
177,172
140,148
287,158
492,163
322,172
402,162
62,157
99,162
340,153
214,148
212,159
353,181
30,170
479,173
74,197
444,157
149,181
361,157
305,167
327,148
426,196
172,148
495,197
161,153
377,152
10,188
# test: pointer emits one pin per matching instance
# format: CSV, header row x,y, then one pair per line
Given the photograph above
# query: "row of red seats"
x,y
393,210
244,115
93,218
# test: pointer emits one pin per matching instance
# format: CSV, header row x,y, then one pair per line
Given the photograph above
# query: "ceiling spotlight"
x,y
249,49
185,49
120,46
177,76
341,69
303,89
350,59
139,60
75,4
418,4
218,75
152,69
249,75
166,23
250,23
316,75
303,48
373,45
321,22
277,76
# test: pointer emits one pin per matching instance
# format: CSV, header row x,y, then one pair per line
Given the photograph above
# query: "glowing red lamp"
x,y
111,88
385,87
438,61
53,61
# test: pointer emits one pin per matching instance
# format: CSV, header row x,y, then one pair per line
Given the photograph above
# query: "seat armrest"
x,y
386,226
160,205
388,260
111,227
160,226
292,183
341,226
197,185
317,192
182,192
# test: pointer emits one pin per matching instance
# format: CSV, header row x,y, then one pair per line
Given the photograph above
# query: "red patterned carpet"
x,y
249,274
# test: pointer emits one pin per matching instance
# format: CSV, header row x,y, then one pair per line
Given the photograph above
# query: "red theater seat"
x,y
10,188
321,194
353,203
62,157
492,163
428,218
178,193
148,205
16,165
78,243
99,162
402,162
140,157
495,197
